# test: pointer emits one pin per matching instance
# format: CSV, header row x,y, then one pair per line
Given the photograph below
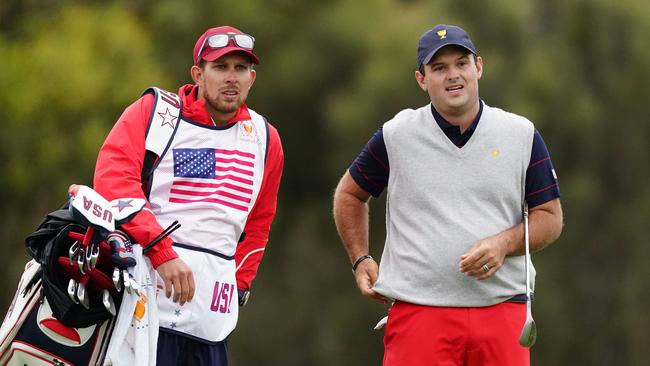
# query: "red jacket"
x,y
119,166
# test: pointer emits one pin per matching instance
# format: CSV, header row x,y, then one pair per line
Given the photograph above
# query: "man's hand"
x,y
177,275
545,222
366,276
488,253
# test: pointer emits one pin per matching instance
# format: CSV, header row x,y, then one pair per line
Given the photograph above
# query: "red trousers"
x,y
444,336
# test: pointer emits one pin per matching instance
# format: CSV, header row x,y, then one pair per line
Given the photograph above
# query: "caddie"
x,y
203,158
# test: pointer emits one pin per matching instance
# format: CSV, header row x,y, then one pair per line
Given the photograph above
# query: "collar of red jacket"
x,y
194,109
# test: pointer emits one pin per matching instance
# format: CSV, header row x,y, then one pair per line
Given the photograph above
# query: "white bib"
x,y
208,179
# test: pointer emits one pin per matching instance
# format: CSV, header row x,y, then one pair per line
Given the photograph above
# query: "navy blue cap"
x,y
440,36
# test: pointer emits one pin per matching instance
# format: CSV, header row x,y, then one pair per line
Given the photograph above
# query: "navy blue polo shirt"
x,y
370,170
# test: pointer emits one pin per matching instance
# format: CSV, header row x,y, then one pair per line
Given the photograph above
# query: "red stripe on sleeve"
x,y
539,162
542,190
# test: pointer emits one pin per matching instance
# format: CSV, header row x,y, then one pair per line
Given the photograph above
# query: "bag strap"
x,y
163,123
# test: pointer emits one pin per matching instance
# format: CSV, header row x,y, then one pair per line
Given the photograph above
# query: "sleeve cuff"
x,y
162,255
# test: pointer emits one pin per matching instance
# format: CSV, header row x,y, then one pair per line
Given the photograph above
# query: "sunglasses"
x,y
244,41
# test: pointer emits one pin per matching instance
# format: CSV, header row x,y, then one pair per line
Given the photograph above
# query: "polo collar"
x,y
448,127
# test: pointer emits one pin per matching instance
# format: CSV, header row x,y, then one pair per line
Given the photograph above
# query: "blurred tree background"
x,y
331,73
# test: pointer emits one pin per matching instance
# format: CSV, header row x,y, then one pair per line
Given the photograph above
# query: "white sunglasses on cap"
x,y
244,41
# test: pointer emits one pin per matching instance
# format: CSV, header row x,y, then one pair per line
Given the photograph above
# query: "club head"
x,y
381,323
116,279
109,304
94,256
73,251
126,280
528,333
88,259
72,290
81,261
82,295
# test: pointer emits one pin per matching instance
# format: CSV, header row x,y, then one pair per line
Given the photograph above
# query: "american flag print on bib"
x,y
219,176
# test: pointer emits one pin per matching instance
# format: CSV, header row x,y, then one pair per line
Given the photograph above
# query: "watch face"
x,y
243,298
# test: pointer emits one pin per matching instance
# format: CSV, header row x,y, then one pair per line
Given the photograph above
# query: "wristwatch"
x,y
243,296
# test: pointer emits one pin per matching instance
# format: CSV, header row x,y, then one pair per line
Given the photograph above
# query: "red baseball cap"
x,y
209,53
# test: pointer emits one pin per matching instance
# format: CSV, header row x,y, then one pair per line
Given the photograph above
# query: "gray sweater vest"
x,y
443,199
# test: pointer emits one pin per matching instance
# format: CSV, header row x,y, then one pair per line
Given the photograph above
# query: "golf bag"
x,y
63,312
31,335
79,334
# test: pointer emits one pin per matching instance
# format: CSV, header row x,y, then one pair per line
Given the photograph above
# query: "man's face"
x,y
225,82
451,80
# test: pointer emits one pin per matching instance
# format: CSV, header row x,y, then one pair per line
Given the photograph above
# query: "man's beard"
x,y
224,107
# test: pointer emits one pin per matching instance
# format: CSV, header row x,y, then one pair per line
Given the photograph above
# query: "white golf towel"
x,y
135,335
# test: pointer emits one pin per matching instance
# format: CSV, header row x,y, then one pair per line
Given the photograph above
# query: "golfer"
x,y
457,174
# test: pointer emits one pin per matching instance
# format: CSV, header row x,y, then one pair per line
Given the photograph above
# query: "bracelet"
x,y
361,259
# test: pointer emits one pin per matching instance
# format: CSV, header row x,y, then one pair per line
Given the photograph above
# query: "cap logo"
x,y
442,34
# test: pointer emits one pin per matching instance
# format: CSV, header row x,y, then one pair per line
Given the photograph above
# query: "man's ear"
x,y
196,73
253,77
479,66
419,77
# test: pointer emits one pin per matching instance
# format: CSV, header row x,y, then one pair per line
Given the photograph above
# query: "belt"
x,y
521,298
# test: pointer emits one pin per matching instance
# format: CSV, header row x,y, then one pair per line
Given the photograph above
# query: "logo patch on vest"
x,y
247,132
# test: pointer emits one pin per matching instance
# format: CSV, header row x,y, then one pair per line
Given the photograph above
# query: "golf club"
x,y
116,279
72,290
107,300
529,332
82,295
